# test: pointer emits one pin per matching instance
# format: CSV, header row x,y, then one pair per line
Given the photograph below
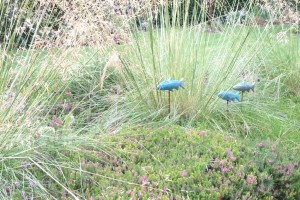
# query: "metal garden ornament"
x,y
229,96
170,85
243,86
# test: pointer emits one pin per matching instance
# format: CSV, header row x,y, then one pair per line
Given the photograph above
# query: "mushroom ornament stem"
x,y
243,86
169,92
170,85
229,96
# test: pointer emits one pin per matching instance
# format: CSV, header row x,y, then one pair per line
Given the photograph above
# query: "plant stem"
x,y
227,106
210,15
169,103
242,96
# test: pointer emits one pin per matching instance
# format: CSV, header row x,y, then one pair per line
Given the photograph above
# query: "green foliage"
x,y
69,122
285,58
181,163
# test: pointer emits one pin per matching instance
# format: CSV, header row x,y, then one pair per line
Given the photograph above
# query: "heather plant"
x,y
185,163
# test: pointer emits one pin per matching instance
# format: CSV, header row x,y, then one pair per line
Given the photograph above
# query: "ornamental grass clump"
x,y
208,63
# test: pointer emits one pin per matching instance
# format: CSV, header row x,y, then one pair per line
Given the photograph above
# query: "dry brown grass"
x,y
92,22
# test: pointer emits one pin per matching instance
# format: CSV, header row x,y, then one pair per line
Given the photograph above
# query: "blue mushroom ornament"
x,y
229,96
243,86
170,85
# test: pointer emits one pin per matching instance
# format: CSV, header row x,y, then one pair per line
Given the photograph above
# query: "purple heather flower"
x,y
230,154
144,180
68,107
17,183
155,184
115,160
260,144
184,173
261,190
68,93
200,188
96,165
24,165
295,164
56,120
24,194
32,183
228,150
277,167
270,161
251,180
130,192
106,158
222,162
225,170
166,189
290,168
91,198
140,194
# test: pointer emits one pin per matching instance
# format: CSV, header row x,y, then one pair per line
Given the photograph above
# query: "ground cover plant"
x,y
81,116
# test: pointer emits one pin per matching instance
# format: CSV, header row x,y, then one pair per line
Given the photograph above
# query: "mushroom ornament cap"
x,y
229,96
170,85
243,86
